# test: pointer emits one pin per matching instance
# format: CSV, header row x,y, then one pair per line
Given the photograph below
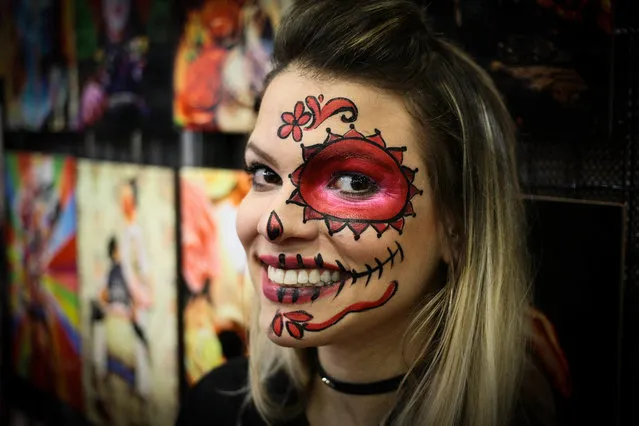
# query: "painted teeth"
x,y
303,277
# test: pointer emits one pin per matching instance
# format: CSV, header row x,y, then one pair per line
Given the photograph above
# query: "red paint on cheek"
x,y
355,156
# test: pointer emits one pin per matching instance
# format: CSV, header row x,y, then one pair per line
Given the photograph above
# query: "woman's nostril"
x,y
274,227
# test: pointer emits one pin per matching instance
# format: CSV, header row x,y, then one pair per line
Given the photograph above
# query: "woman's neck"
x,y
376,356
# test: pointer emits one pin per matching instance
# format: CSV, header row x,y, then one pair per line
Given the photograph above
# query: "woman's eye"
x,y
263,176
354,184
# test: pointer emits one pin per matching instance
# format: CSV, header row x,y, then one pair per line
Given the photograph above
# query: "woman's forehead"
x,y
298,109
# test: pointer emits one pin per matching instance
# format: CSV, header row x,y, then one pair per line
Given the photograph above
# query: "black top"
x,y
219,400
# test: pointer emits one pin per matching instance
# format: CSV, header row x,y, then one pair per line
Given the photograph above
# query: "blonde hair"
x,y
471,331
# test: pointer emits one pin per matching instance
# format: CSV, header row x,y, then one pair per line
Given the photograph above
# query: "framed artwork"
x,y
118,43
221,61
43,285
38,62
127,263
218,292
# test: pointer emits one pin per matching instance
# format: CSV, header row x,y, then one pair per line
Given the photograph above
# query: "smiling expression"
x,y
329,220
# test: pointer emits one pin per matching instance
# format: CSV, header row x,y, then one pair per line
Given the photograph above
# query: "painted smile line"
x,y
295,279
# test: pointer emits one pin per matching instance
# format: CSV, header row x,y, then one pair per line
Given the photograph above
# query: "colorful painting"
x,y
222,59
127,263
38,89
43,297
115,41
213,269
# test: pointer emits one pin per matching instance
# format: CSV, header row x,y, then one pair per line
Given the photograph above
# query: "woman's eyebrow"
x,y
262,154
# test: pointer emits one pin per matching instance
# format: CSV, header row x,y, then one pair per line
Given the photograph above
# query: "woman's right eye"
x,y
263,177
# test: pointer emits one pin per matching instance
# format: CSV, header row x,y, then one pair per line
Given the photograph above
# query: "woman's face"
x,y
339,226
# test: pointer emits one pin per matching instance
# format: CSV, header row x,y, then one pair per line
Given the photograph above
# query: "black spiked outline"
x,y
327,218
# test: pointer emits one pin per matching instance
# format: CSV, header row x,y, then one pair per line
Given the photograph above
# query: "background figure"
x,y
114,91
135,269
115,299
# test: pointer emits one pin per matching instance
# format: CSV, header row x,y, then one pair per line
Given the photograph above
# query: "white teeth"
x,y
278,275
314,276
302,277
290,277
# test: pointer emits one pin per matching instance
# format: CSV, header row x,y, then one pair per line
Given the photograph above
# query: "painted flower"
x,y
293,122
295,323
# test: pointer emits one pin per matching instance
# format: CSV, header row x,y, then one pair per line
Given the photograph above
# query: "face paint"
x,y
295,121
274,227
329,279
384,204
299,322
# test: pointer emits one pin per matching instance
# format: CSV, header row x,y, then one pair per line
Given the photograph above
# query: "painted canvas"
x,y
222,59
123,54
43,296
42,54
213,269
127,263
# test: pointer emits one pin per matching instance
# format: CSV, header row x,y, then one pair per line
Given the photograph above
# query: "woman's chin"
x,y
286,335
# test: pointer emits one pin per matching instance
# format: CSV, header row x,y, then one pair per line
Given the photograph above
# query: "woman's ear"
x,y
448,238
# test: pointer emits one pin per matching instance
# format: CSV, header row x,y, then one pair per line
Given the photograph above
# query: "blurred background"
x,y
123,124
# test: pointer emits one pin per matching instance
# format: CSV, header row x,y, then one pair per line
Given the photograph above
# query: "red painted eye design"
x,y
354,181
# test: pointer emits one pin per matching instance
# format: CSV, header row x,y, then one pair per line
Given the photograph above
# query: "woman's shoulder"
x,y
219,398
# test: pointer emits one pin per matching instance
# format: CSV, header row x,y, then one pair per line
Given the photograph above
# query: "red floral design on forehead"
x,y
300,119
354,153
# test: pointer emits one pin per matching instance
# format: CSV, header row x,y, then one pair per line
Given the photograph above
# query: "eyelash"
x,y
253,168
371,190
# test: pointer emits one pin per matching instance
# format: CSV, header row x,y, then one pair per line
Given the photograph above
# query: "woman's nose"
x,y
285,221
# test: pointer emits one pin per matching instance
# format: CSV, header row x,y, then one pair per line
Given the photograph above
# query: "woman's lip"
x,y
294,295
283,261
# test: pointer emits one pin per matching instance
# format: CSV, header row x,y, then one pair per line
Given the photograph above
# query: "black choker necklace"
x,y
373,388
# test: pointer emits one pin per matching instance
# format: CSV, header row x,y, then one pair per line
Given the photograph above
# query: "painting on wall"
x,y
43,285
38,62
213,269
124,62
222,59
127,263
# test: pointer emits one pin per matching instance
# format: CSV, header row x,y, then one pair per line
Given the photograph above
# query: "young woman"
x,y
383,232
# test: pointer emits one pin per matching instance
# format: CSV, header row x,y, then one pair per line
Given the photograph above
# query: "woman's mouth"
x,y
297,280
303,277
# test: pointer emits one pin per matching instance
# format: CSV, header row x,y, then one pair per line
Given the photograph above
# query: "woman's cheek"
x,y
248,216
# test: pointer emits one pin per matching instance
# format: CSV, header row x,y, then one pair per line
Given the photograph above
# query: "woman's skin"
x,y
357,204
